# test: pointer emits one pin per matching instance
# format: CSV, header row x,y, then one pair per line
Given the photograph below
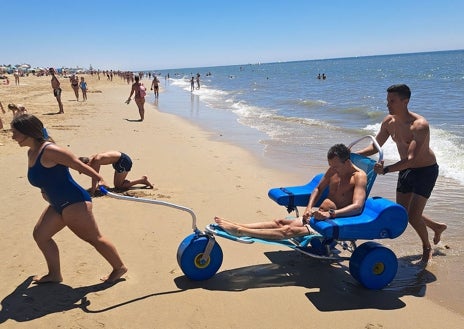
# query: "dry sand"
x,y
258,286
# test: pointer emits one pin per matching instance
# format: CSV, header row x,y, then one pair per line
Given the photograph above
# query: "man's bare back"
x,y
105,158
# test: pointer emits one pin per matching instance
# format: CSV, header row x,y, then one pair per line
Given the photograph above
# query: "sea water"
x,y
283,113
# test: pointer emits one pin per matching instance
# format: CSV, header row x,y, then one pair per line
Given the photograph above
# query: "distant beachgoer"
x,y
319,76
83,86
16,76
192,84
155,85
56,89
198,80
323,76
68,203
122,164
17,109
75,85
139,90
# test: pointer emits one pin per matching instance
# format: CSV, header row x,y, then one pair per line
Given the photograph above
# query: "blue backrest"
x,y
366,164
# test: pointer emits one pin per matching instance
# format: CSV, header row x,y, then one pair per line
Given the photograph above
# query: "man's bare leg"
x,y
258,225
282,232
436,227
60,105
128,184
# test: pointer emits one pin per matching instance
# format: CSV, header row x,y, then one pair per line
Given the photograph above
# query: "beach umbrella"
x,y
25,66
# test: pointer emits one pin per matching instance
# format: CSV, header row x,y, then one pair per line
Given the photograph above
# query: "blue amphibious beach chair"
x,y
371,264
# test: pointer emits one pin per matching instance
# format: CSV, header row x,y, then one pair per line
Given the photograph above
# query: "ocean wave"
x,y
311,102
446,146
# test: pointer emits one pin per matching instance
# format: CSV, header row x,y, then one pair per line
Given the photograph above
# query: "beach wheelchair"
x,y
373,265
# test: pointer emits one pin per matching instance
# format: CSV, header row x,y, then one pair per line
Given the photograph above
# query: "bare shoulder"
x,y
360,177
419,122
388,119
54,148
56,154
387,122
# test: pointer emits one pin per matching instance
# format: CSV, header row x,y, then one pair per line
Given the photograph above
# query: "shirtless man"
x,y
418,169
56,89
347,194
122,164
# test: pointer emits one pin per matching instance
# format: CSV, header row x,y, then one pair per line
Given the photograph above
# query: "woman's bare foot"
x,y
48,278
115,275
227,226
438,232
146,182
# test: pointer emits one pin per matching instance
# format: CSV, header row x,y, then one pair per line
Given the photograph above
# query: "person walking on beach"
x,y
122,164
56,89
139,90
418,168
155,85
347,194
75,85
69,204
83,86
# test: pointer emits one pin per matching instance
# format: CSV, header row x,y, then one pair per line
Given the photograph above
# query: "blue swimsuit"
x,y
57,184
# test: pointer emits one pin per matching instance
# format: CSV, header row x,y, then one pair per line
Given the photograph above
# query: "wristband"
x,y
332,213
386,170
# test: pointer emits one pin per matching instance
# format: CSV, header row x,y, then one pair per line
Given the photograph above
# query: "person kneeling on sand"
x,y
347,194
122,164
17,109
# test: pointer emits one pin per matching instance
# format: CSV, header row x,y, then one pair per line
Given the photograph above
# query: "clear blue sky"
x,y
154,34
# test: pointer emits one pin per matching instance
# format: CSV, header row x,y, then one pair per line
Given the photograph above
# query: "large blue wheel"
x,y
190,254
373,265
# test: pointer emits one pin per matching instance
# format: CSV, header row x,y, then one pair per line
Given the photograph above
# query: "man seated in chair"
x,y
347,194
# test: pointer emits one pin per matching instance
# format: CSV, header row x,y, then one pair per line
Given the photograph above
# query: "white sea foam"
x,y
449,153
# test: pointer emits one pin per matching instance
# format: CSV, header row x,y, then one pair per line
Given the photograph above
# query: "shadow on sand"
x,y
332,287
32,301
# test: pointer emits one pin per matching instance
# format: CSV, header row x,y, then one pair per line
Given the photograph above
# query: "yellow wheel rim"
x,y
378,268
199,263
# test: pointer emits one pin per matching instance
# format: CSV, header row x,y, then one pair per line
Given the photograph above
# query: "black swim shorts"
x,y
420,181
57,92
123,164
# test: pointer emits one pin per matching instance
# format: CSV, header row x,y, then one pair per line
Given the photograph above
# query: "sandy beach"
x,y
257,286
